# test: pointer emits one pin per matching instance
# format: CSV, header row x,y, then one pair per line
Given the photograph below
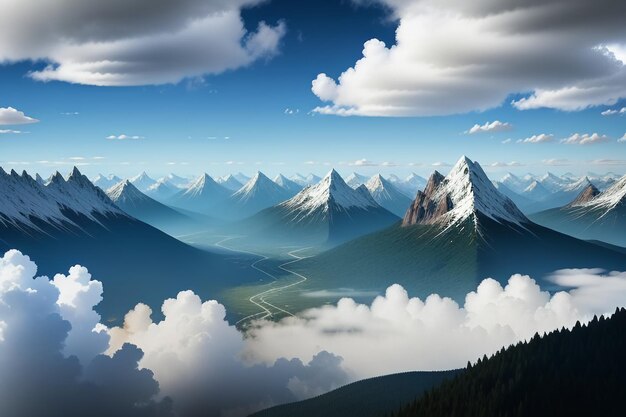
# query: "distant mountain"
x,y
40,180
175,180
71,222
101,181
142,181
330,211
304,181
242,178
584,368
408,186
257,194
135,203
458,231
290,186
523,203
536,192
553,183
203,196
592,215
373,397
229,182
387,195
514,183
162,190
355,179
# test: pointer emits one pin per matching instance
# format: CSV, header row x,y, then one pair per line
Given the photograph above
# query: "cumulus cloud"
x,y
585,139
11,116
406,333
495,126
124,137
622,139
540,138
117,43
457,56
193,362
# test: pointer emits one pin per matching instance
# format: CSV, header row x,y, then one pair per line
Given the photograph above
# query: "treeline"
x,y
578,372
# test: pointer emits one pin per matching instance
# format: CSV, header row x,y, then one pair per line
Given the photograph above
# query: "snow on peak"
x,y
463,193
229,181
142,181
125,192
614,196
205,185
356,179
331,190
30,199
259,185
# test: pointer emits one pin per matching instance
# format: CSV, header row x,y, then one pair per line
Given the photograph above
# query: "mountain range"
x,y
69,222
329,212
592,215
458,231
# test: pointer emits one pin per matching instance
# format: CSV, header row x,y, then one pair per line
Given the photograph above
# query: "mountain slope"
x,y
229,182
330,211
203,196
71,222
101,181
592,215
458,231
372,397
354,180
162,190
257,194
135,203
387,195
142,181
290,186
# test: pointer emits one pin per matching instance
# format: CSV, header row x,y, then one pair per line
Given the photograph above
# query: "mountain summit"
x,y
465,193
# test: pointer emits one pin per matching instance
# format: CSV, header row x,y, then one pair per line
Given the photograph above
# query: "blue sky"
x,y
240,120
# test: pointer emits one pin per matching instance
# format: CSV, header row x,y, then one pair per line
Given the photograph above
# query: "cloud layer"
x,y
56,355
11,116
456,56
116,43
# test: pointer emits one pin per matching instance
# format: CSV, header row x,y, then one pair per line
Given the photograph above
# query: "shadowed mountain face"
x,y
459,231
328,212
592,215
73,222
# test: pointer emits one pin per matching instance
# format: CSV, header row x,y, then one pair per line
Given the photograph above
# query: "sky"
x,y
219,87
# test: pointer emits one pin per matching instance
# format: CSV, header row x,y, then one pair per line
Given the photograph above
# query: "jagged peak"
x,y
57,178
586,195
463,193
615,195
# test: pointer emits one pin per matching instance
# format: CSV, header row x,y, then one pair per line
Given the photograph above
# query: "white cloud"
x,y
505,164
495,126
556,162
440,164
291,111
11,116
204,364
611,112
117,43
456,56
540,138
363,163
585,139
622,139
412,334
10,132
124,137
506,141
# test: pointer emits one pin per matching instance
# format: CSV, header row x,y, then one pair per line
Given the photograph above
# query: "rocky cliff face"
x,y
425,209
586,195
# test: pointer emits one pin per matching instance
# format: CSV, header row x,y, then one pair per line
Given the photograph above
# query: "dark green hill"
x,y
427,259
368,398
581,372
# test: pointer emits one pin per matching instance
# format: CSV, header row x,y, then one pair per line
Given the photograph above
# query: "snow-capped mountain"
x,y
553,183
105,182
241,177
175,180
204,196
536,191
40,180
69,222
303,181
329,211
26,204
592,215
459,230
142,181
229,182
290,186
355,179
463,194
408,186
162,190
387,195
135,203
257,194
515,183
